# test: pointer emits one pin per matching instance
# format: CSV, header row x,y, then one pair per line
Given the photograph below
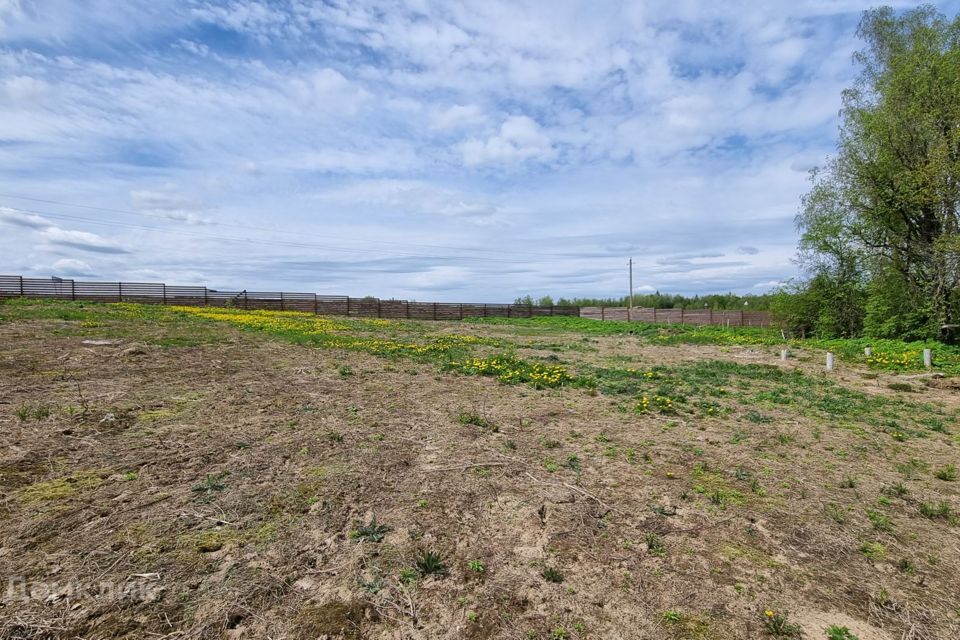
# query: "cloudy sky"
x,y
426,150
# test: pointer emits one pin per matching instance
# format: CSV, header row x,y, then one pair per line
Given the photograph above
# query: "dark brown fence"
x,y
153,293
679,316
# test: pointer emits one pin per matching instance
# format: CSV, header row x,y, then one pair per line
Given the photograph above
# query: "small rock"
x,y
98,343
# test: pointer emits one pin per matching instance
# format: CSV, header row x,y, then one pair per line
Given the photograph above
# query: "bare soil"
x,y
217,491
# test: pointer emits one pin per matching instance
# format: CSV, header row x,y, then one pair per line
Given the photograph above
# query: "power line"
x,y
262,241
267,229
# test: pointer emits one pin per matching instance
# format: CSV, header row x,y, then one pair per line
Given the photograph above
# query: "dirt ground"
x,y
226,490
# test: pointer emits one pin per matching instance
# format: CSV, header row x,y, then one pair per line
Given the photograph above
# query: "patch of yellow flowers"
x,y
331,334
512,370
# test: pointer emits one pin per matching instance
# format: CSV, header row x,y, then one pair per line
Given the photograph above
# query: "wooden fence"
x,y
679,316
153,293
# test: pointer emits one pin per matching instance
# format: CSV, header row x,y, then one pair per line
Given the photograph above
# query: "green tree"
x,y
881,220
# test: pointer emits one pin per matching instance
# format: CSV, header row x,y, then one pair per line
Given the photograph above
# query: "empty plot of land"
x,y
219,473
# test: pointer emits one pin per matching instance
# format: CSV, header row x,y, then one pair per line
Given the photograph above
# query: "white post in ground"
x,y
927,358
868,351
829,361
783,354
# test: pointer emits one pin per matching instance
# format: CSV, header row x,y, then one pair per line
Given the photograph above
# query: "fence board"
x,y
156,293
678,316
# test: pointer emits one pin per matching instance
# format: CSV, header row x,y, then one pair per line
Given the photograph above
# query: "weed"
x,y
467,418
848,483
671,616
345,371
786,438
757,418
209,487
873,550
551,465
371,532
779,626
552,574
901,386
472,616
372,587
839,633
898,490
476,566
655,546
130,476
430,564
408,575
938,510
573,462
912,468
837,513
947,473
559,633
23,413
333,436
423,504
880,520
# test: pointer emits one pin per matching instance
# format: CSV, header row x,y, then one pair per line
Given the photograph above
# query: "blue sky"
x,y
425,150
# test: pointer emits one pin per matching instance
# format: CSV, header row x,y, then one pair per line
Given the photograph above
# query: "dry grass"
x,y
241,486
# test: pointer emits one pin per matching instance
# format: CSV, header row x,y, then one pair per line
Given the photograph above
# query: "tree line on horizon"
x,y
657,300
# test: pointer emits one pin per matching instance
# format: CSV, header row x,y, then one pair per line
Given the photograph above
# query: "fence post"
x,y
551,309
245,306
461,311
682,321
73,290
120,291
21,286
348,306
408,309
281,301
164,285
654,315
205,297
434,310
378,308
484,310
315,312
603,313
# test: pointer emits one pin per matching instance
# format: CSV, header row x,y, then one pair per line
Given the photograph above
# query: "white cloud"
x,y
458,116
168,203
21,219
71,267
83,240
520,138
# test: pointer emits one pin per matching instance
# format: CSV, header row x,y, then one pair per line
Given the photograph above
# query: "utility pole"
x,y
631,282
